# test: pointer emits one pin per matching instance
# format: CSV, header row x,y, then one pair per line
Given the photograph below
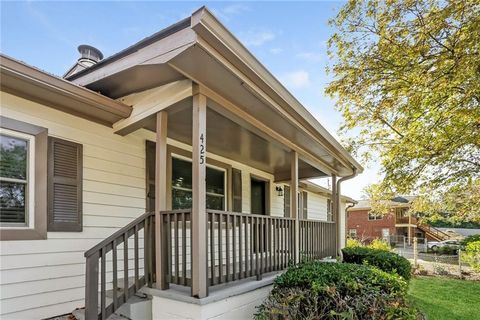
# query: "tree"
x,y
407,81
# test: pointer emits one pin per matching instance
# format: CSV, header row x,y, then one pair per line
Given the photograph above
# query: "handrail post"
x,y
199,214
160,198
91,286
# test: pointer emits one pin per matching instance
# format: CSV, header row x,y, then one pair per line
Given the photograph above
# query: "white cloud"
x,y
296,79
310,56
255,38
276,50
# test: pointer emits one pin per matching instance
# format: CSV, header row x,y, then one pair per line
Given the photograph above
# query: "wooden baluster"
x,y
137,258
177,254
115,275
103,290
251,247
125,265
184,249
220,248
227,247
240,247
146,255
234,246
212,248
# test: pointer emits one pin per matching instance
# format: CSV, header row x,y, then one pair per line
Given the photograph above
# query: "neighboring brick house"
x,y
365,225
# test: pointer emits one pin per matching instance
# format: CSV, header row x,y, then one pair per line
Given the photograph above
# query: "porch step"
x,y
137,307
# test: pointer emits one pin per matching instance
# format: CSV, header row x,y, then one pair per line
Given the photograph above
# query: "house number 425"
x,y
202,149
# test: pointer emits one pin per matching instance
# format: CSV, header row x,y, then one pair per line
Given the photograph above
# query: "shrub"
x,y
471,255
321,290
351,243
447,250
472,238
384,260
379,244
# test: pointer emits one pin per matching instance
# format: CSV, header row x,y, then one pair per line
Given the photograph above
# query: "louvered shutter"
x,y
237,190
64,185
286,201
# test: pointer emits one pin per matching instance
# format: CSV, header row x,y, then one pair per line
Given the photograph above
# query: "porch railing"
x,y
241,245
317,239
124,247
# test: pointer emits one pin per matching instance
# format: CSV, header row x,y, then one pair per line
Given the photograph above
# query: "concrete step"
x,y
137,307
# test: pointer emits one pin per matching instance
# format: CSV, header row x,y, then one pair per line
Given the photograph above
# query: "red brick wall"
x,y
369,229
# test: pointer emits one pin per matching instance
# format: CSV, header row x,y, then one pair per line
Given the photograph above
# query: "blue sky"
x,y
289,38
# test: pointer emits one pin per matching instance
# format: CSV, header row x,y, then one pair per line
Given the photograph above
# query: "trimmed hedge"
x,y
322,290
384,260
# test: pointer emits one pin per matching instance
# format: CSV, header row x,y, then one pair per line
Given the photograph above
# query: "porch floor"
x,y
215,293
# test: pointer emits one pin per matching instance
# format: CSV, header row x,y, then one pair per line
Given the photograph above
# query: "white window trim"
x,y
180,157
30,190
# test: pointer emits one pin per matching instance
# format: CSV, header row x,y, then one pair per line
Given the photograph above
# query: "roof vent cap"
x,y
90,53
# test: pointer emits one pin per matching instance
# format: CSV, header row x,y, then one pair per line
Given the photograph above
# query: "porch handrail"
x,y
95,309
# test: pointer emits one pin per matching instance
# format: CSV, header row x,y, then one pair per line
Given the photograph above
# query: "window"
x,y
352,233
17,193
182,186
302,202
23,180
374,216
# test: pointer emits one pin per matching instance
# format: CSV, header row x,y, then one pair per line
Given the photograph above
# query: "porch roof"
x,y
199,48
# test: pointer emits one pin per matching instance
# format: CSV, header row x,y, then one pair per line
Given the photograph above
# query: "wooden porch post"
x,y
334,209
199,214
409,228
294,203
160,199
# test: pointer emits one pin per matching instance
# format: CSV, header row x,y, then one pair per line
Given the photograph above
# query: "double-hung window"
x,y
182,186
17,174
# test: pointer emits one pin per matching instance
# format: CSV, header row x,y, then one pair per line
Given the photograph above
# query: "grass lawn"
x,y
446,299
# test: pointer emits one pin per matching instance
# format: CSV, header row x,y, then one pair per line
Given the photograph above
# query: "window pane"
x,y
215,202
12,202
181,199
181,173
215,181
13,157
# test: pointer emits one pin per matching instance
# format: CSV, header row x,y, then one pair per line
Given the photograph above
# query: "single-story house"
x,y
177,167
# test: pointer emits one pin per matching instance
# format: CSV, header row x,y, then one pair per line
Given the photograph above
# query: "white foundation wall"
x,y
238,307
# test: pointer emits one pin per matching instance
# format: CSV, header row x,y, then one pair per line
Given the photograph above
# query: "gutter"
x,y
337,202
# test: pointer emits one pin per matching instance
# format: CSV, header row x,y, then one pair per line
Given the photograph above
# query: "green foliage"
x,y
319,290
472,238
406,82
383,260
471,255
379,244
447,250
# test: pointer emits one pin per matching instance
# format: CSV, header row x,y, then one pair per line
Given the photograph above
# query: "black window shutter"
x,y
286,201
237,190
64,185
304,205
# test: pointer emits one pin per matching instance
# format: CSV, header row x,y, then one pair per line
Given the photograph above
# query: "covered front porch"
x,y
227,151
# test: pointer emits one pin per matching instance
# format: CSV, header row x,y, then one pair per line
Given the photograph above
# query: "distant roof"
x,y
398,201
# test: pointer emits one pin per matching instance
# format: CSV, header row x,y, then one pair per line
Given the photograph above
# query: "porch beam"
x,y
147,103
302,174
199,213
294,203
160,198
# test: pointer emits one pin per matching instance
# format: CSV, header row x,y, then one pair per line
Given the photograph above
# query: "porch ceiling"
x,y
231,140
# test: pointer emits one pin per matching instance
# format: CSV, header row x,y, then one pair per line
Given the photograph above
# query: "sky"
x,y
289,38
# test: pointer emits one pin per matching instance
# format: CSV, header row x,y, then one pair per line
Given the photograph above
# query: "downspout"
x,y
351,205
337,201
